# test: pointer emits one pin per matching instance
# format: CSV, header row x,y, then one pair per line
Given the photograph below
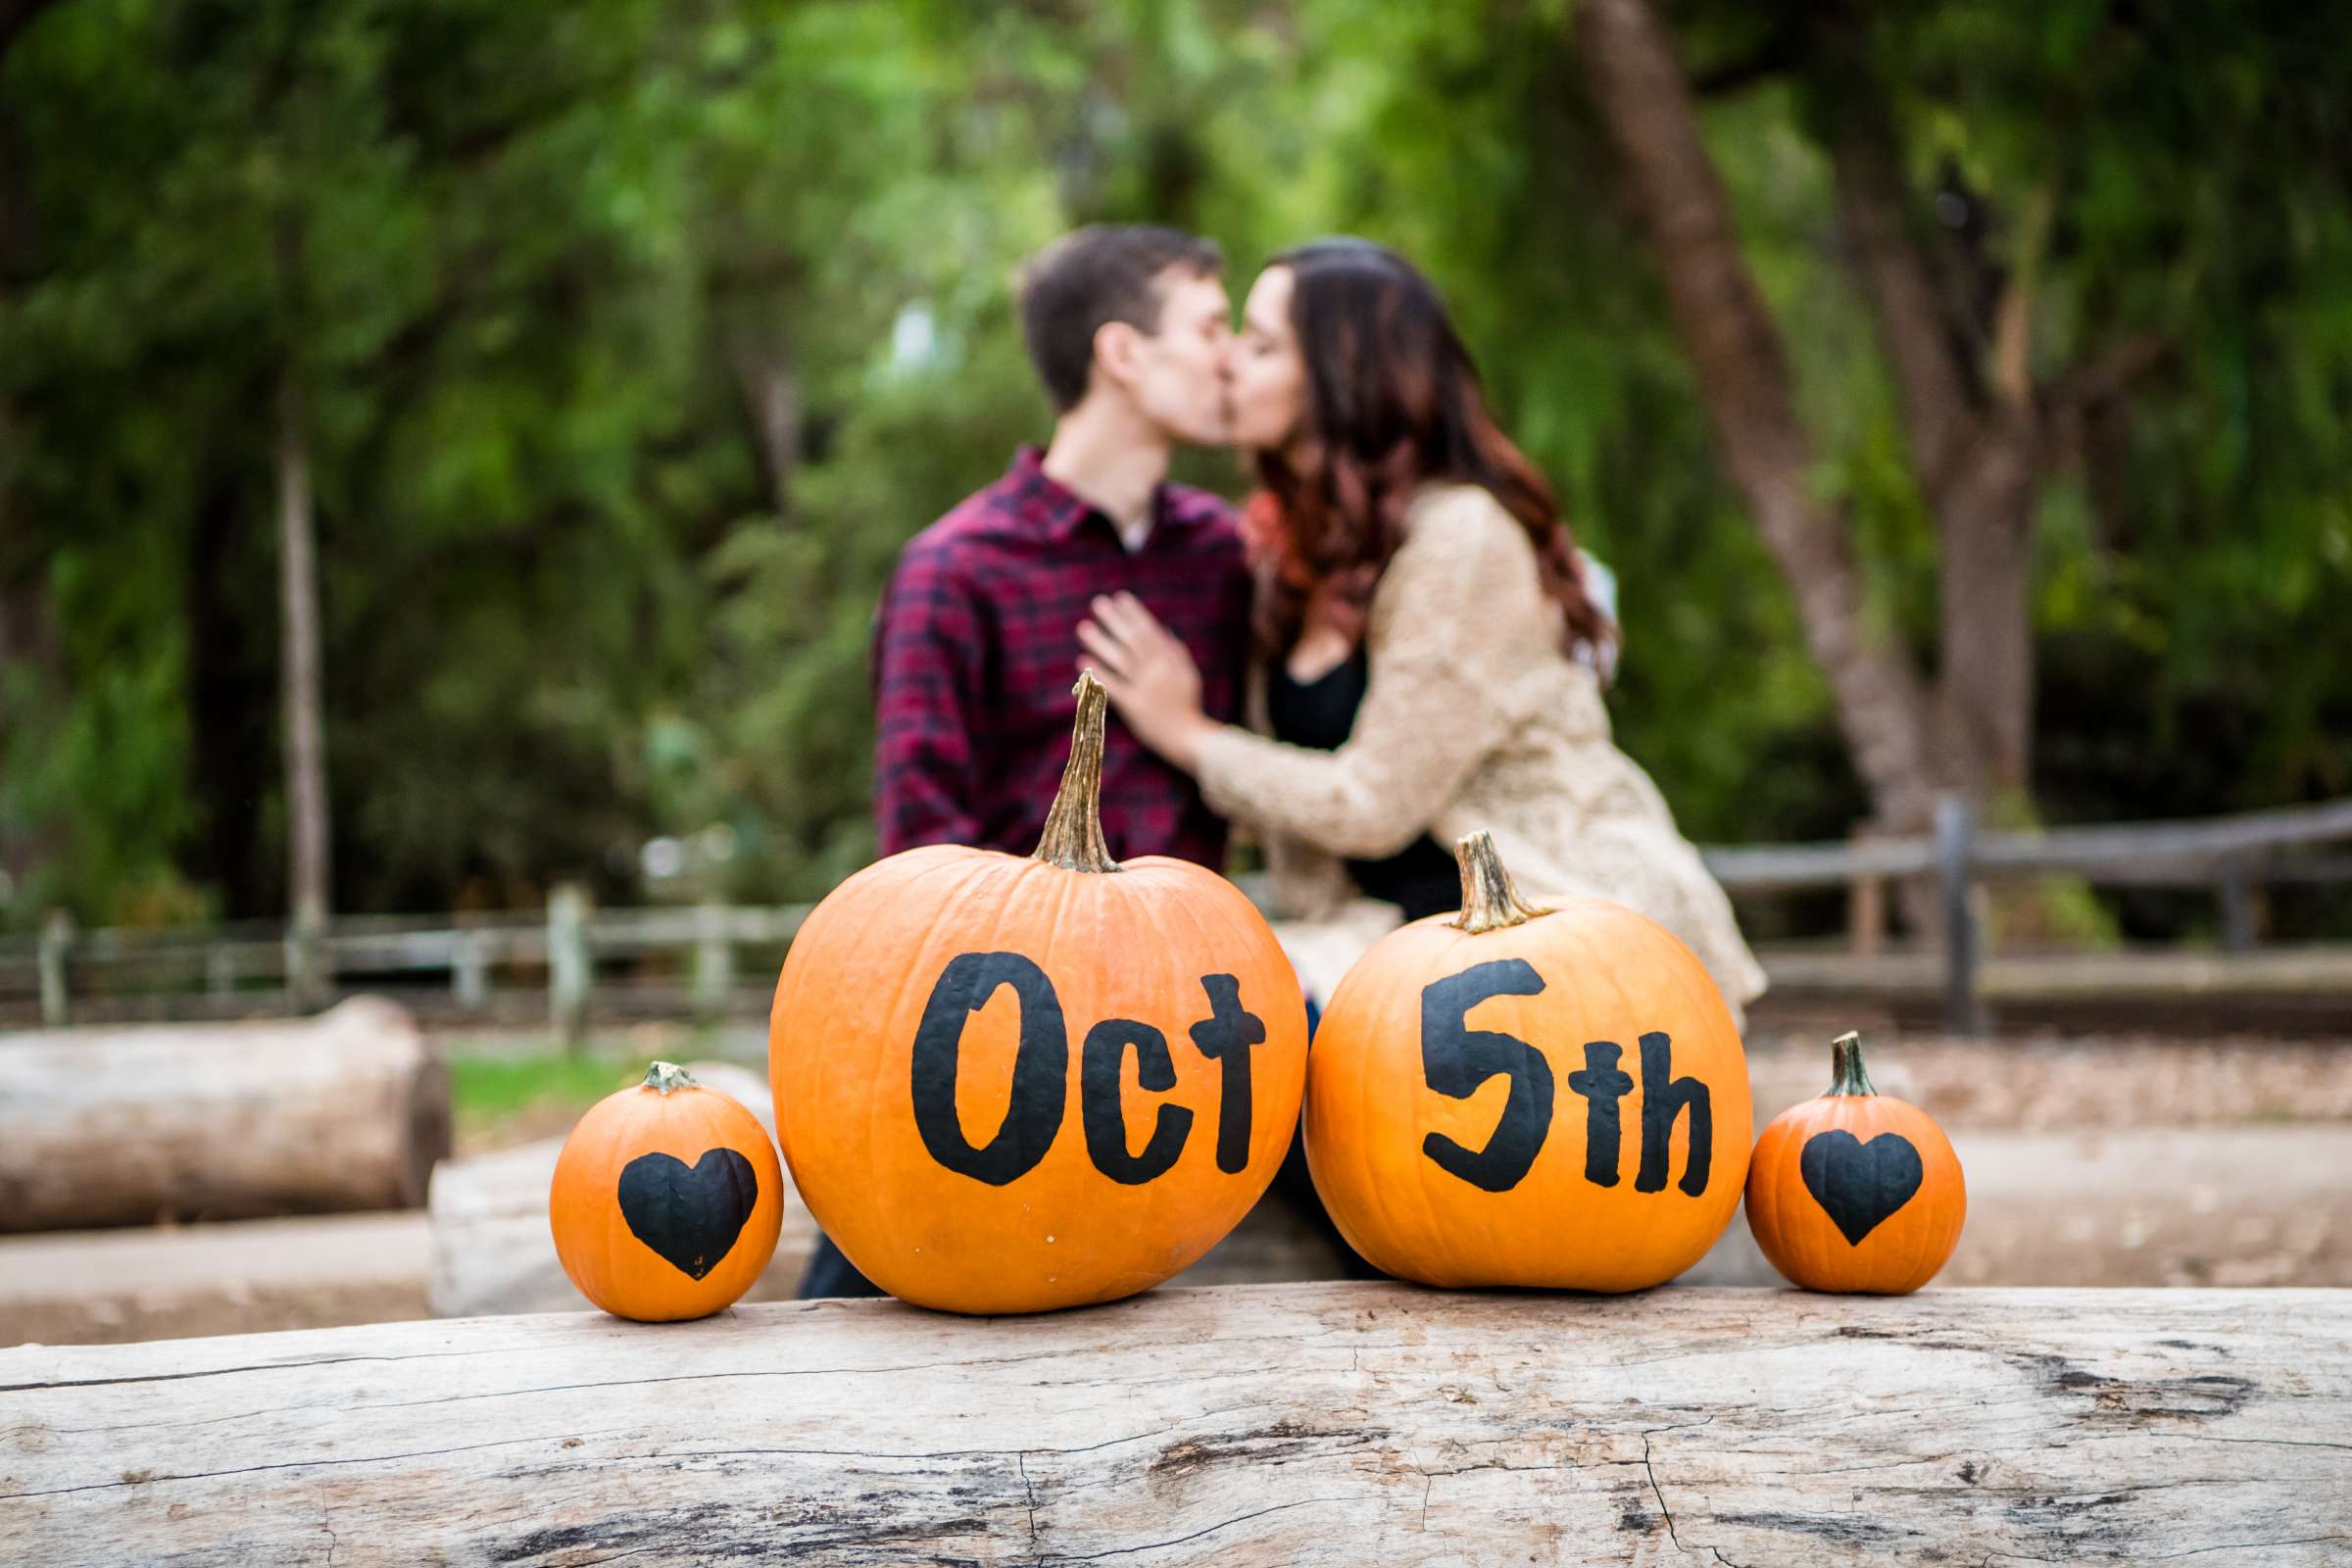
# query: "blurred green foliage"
x,y
483,1088
518,258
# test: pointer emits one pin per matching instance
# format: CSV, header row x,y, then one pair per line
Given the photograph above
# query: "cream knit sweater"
x,y
1474,717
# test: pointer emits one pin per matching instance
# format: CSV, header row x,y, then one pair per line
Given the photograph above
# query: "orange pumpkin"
x,y
1855,1190
666,1200
1523,1095
1008,1084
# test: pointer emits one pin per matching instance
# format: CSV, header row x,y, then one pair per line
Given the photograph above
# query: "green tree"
x,y
621,346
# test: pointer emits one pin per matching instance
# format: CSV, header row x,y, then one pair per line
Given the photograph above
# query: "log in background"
x,y
1288,1424
347,1110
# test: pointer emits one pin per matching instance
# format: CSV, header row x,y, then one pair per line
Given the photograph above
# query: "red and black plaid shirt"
x,y
976,648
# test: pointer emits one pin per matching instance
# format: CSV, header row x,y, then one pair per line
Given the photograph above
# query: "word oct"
x,y
1041,1067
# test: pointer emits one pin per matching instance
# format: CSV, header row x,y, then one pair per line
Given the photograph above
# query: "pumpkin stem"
x,y
665,1076
1489,899
1073,835
1847,1075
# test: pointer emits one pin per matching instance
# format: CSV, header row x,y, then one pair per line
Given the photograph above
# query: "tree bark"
x,y
218,1121
307,848
1984,687
234,667
771,395
1972,421
1742,373
28,641
24,630
1301,1424
1936,381
1972,430
16,17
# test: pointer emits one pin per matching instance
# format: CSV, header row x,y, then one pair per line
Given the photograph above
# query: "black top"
x,y
1421,878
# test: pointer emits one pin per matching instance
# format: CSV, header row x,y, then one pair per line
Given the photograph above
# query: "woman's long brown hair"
x,y
1393,402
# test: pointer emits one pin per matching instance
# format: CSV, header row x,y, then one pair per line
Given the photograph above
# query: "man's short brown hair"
x,y
1103,272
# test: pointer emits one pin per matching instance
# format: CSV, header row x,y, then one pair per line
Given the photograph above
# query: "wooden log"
x,y
2200,1205
241,1276
120,1127
1324,1424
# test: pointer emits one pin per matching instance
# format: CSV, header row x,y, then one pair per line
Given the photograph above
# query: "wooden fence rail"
x,y
1326,1424
2165,853
561,950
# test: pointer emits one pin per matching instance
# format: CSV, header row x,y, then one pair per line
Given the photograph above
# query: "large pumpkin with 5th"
x,y
667,1200
1527,1096
1008,1084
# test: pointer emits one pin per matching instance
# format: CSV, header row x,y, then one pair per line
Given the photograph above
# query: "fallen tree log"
x,y
242,1276
2236,1206
1298,1424
348,1110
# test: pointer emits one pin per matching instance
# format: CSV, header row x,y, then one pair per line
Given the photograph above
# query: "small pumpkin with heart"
x,y
667,1199
1854,1191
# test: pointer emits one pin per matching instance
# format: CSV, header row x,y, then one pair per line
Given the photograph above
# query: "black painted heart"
x,y
690,1214
1859,1184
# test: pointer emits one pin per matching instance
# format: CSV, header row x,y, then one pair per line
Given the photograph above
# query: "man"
x,y
976,644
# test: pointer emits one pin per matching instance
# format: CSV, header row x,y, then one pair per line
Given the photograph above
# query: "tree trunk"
x,y
218,1121
20,580
1742,373
771,395
1967,402
1309,1425
1985,689
24,637
1934,376
16,17
305,731
234,662
28,650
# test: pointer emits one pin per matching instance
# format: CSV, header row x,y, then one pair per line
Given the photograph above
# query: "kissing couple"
x,y
1395,641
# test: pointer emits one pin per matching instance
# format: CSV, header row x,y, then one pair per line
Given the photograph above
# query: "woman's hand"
x,y
1149,676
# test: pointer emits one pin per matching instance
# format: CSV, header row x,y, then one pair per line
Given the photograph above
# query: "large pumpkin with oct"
x,y
667,1200
1534,1097
1855,1190
1008,1084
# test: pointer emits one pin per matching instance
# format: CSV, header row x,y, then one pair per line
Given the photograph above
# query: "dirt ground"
x,y
2057,1083
2108,1160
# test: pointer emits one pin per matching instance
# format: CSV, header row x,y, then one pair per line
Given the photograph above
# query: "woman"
x,y
1432,660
